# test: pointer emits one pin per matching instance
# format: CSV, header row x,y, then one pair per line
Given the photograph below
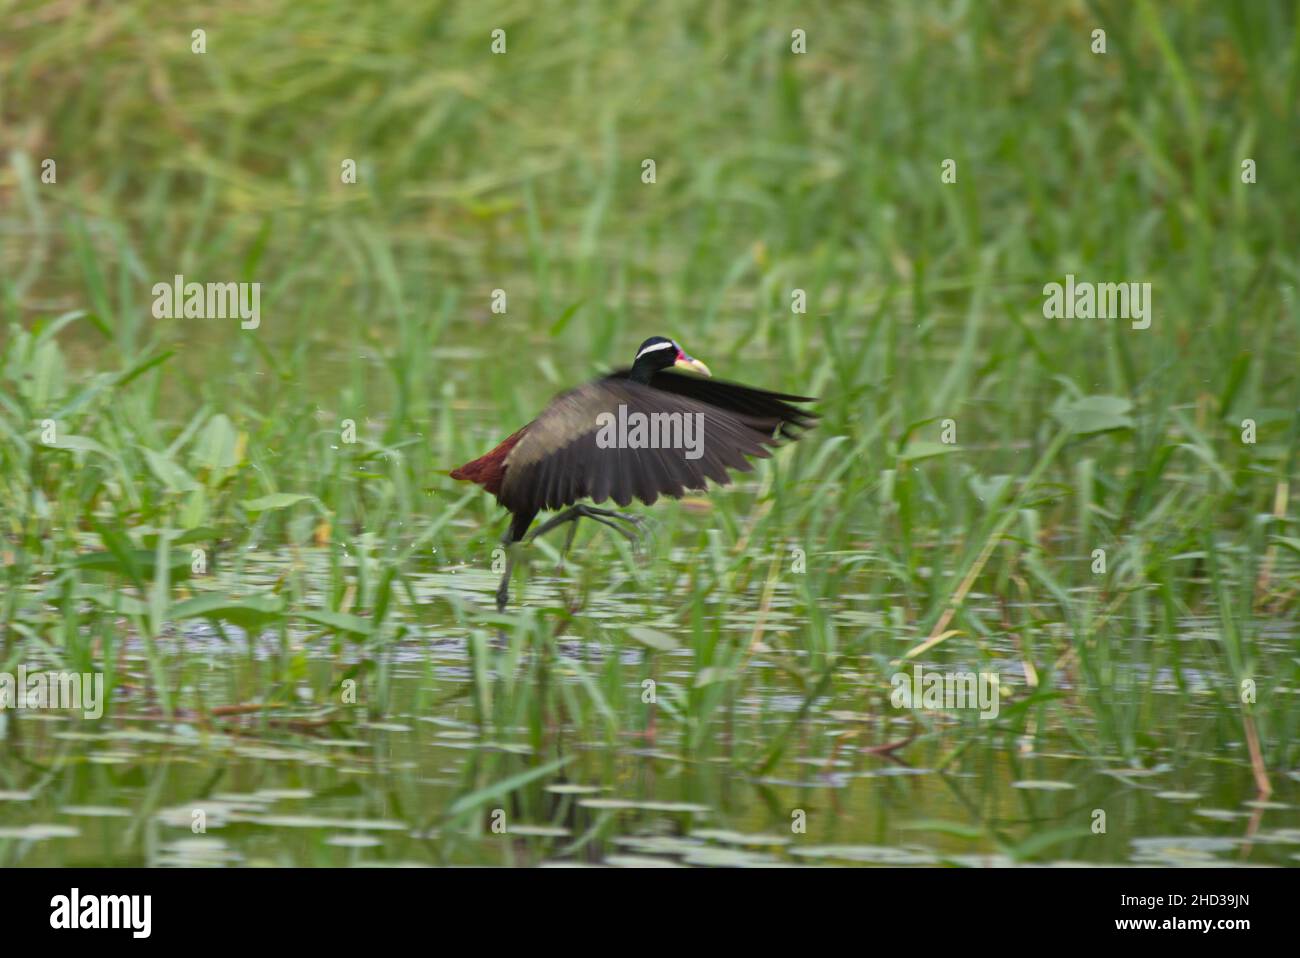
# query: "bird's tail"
x,y
488,470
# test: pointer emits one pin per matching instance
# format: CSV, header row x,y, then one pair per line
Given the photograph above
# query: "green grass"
x,y
522,172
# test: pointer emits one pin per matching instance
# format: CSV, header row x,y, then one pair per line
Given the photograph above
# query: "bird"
x,y
640,432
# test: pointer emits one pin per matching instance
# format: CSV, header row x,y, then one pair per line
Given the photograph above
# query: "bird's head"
x,y
658,352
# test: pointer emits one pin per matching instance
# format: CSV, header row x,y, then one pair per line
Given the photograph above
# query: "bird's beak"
x,y
689,362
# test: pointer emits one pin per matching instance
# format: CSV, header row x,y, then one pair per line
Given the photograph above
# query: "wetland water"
x,y
311,781
419,241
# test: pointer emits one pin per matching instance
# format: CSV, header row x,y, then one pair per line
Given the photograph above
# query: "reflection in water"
x,y
490,751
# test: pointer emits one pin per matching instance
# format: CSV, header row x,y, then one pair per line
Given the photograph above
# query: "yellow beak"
x,y
687,362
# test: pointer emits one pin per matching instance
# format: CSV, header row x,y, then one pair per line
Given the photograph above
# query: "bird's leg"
x,y
568,515
568,543
606,515
603,516
629,536
503,590
637,521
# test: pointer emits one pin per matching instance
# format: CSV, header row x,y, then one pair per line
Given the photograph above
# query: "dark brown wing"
x,y
759,404
564,456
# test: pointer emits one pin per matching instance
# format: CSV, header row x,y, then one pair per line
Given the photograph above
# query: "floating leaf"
x,y
276,500
197,534
169,473
217,446
77,444
944,827
710,675
340,622
1042,785
133,562
639,861
653,638
1093,414
925,449
248,612
728,837
39,832
616,804
988,490
876,854
540,831
106,597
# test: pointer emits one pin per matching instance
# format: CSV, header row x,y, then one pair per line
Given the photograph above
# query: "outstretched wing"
x,y
758,404
574,450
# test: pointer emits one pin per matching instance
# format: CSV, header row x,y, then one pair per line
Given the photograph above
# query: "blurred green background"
x,y
775,171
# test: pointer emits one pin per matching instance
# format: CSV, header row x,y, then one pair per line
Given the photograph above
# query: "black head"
x,y
659,352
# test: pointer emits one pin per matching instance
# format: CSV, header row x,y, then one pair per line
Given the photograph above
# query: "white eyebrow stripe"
x,y
651,349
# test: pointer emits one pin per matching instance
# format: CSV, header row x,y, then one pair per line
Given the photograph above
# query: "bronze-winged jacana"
x,y
566,453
